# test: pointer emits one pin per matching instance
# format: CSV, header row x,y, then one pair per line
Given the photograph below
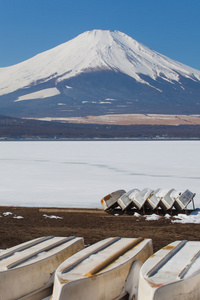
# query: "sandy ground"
x,y
133,119
92,224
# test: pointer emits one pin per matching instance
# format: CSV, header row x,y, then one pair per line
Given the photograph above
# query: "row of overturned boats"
x,y
166,200
115,268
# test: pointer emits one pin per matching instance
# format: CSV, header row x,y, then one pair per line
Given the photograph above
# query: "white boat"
x,y
146,197
125,201
172,273
100,271
166,201
137,199
26,270
151,201
110,200
182,199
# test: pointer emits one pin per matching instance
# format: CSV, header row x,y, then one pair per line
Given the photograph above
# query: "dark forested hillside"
x,y
14,128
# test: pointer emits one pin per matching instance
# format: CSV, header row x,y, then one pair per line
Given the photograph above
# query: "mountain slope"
x,y
99,72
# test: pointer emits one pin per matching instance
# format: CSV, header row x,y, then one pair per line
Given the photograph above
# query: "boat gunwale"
x,y
114,256
78,261
164,259
189,265
23,246
21,261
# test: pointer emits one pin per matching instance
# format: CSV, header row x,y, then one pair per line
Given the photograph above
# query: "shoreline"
x,y
6,139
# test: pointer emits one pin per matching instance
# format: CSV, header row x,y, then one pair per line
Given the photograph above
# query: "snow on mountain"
x,y
39,94
92,51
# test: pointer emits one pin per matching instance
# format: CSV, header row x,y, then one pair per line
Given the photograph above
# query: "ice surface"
x,y
81,173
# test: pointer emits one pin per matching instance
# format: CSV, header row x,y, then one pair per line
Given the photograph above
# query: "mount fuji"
x,y
99,72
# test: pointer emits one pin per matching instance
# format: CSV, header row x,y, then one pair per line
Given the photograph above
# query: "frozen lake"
x,y
80,173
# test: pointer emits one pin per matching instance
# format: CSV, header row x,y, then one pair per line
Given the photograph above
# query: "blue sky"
x,y
28,27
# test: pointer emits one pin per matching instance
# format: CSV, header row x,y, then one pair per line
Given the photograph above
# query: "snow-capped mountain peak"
x,y
94,50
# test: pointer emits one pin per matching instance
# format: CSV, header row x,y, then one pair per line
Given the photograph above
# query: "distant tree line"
x,y
20,128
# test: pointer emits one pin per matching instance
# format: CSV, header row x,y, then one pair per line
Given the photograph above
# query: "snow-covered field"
x,y
80,173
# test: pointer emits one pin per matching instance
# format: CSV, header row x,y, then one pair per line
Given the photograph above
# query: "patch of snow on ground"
x,y
167,216
194,217
137,215
152,217
52,217
8,213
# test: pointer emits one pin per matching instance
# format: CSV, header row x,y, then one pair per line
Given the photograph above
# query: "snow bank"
x,y
194,217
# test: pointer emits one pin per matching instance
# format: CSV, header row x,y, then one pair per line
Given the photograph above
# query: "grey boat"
x,y
182,199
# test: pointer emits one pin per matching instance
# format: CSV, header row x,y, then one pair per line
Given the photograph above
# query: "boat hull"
x,y
110,200
137,199
124,201
172,273
166,201
183,290
183,200
28,267
105,284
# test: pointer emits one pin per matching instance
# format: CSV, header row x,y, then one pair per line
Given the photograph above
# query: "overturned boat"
x,y
137,199
125,200
110,200
148,200
166,199
172,273
100,270
151,201
182,199
26,270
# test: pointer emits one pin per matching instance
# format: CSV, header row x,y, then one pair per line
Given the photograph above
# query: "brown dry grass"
x,y
134,119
